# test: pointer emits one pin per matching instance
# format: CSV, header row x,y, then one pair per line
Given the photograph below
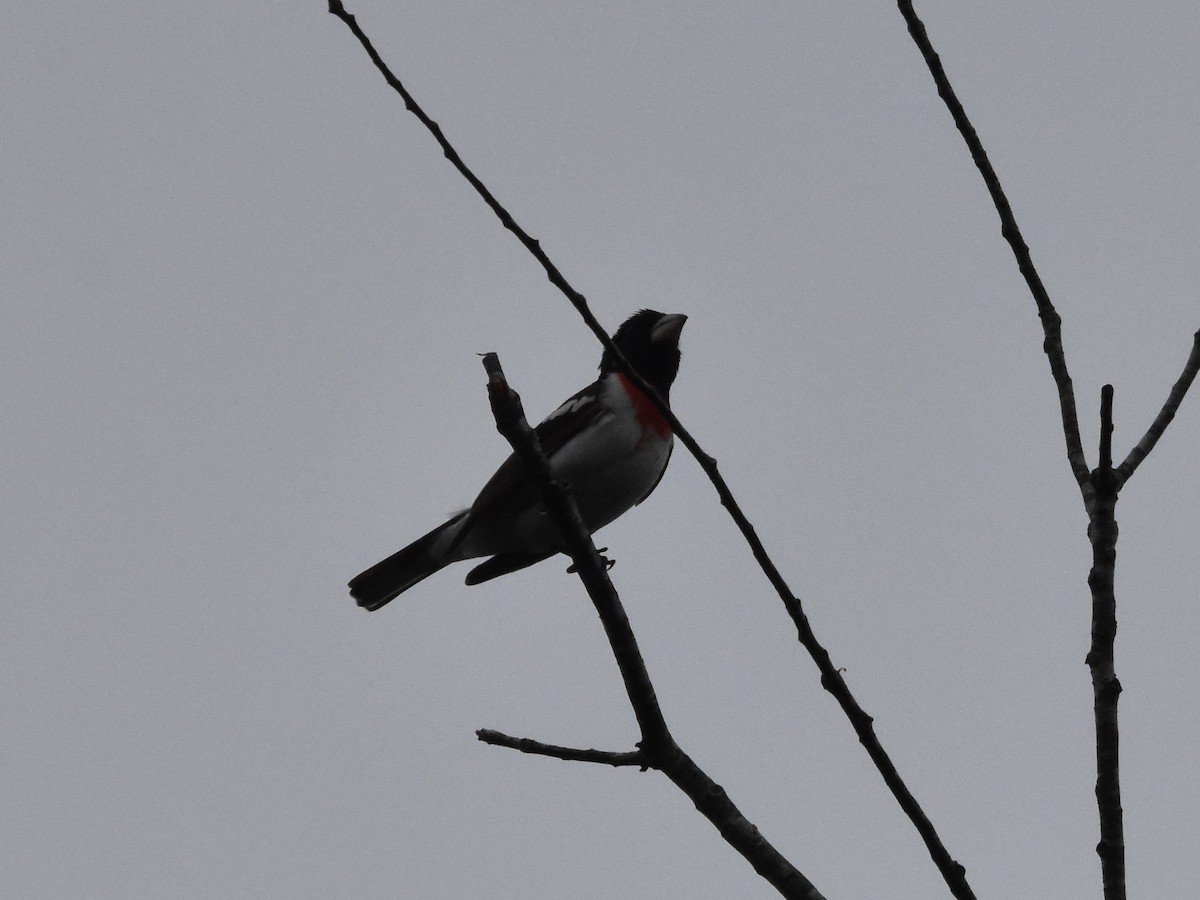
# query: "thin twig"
x,y
657,746
831,678
1165,415
613,758
1051,322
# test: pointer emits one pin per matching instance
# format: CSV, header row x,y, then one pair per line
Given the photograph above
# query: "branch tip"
x,y
1106,428
613,758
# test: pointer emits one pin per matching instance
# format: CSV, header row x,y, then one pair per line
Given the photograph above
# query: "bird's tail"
x,y
387,580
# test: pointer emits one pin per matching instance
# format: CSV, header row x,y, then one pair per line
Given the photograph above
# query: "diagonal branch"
x,y
571,754
1165,415
831,678
531,244
1051,322
658,748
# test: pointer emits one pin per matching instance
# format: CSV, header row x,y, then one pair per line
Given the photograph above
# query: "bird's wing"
x,y
511,489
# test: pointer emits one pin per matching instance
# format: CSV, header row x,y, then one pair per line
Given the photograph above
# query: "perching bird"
x,y
608,442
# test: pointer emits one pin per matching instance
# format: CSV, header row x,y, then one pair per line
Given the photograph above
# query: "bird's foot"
x,y
608,563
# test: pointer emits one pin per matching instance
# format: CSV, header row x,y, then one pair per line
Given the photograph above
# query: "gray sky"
x,y
244,294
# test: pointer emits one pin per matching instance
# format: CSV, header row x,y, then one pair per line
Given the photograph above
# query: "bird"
x,y
609,442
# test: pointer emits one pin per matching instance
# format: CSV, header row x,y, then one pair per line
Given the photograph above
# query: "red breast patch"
x,y
647,413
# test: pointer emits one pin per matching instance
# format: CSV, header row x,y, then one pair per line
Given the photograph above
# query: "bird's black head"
x,y
650,341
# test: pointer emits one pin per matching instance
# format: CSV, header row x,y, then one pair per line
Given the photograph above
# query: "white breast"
x,y
616,464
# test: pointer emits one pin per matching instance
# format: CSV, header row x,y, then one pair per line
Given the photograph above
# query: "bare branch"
x,y
1165,415
531,244
529,745
1106,688
1106,428
1101,505
1099,488
831,678
511,423
657,747
1051,322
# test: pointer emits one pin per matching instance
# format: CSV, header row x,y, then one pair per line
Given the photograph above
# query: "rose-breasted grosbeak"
x,y
608,442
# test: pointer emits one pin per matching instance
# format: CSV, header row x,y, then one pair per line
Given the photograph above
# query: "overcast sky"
x,y
243,298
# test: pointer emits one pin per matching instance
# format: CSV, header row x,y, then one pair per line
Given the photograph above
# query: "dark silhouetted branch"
x,y
1165,415
657,748
1106,688
529,745
1051,322
831,678
1099,487
1106,428
511,423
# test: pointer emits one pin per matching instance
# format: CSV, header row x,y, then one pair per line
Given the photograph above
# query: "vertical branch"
x,y
1099,487
1106,688
1106,428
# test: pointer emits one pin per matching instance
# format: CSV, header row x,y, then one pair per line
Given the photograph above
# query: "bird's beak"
x,y
667,328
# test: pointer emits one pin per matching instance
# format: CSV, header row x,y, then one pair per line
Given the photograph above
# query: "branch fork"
x,y
657,748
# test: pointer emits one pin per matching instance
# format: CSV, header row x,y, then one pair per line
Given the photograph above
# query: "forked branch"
x,y
1099,488
657,748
